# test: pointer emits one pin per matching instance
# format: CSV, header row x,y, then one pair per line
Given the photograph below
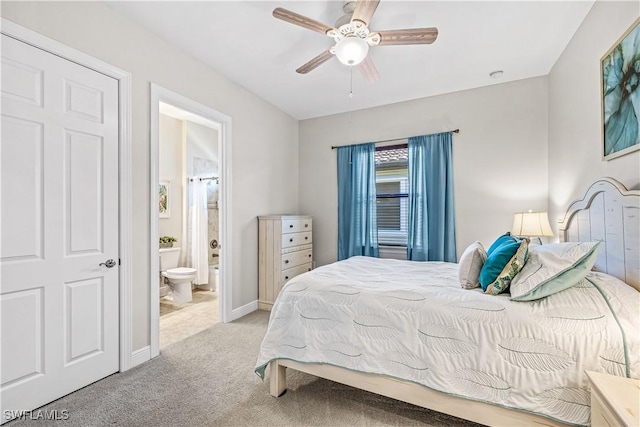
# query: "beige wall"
x,y
202,142
500,156
264,146
575,140
170,169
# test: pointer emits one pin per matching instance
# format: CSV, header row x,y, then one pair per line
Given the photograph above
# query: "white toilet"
x,y
179,278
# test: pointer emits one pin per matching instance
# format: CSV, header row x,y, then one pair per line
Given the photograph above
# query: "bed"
x,y
407,330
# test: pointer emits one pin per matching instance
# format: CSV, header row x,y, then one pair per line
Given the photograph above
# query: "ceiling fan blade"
x,y
315,62
368,70
300,20
364,11
409,36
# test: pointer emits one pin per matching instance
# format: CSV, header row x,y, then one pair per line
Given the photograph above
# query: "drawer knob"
x,y
291,226
306,225
286,261
309,269
309,255
306,238
286,277
291,240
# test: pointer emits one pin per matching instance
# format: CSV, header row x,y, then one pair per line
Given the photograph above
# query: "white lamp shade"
x,y
351,50
531,224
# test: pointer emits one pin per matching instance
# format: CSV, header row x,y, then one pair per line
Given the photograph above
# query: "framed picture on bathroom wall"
x,y
164,199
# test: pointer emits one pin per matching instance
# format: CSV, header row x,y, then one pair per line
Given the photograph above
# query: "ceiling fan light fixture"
x,y
353,38
351,50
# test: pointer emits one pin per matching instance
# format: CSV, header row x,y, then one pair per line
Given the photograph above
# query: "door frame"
x,y
161,94
125,184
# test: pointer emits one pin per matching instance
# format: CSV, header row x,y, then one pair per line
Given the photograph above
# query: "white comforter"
x,y
411,320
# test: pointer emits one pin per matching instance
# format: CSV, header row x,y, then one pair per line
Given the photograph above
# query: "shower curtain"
x,y
198,231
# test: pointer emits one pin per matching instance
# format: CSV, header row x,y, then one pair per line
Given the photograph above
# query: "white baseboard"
x,y
237,313
140,356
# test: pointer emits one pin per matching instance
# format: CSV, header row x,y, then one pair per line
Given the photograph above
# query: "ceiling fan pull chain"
x,y
351,83
350,93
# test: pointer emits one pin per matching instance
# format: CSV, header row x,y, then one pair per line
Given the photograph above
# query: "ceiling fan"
x,y
353,37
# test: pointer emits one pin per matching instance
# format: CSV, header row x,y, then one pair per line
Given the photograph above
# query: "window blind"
x,y
391,196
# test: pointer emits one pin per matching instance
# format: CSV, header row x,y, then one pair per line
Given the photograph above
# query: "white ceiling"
x,y
245,43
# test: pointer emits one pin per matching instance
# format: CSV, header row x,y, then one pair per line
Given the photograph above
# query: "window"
x,y
392,186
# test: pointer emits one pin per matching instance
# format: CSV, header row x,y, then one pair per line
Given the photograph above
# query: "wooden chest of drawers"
x,y
285,250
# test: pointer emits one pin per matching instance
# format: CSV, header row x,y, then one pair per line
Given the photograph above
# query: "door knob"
x,y
109,263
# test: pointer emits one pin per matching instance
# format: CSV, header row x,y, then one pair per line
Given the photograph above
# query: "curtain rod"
x,y
333,147
212,178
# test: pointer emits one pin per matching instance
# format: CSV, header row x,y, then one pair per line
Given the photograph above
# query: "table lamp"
x,y
531,224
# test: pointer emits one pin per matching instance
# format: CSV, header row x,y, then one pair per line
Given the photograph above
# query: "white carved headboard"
x,y
611,214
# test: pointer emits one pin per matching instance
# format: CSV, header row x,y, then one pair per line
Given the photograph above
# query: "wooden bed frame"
x,y
611,214
608,212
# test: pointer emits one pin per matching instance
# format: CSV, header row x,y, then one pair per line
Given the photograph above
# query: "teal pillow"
x,y
497,260
553,268
505,238
510,270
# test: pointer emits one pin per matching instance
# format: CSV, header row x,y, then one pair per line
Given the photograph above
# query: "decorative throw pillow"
x,y
505,238
511,268
470,264
553,268
497,259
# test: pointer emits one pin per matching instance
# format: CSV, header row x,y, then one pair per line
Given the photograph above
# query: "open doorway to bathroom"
x,y
190,159
188,224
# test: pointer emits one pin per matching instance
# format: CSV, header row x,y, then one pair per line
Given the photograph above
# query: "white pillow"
x,y
471,263
553,268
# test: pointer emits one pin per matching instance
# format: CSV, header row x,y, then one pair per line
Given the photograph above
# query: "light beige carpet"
x,y
208,380
179,321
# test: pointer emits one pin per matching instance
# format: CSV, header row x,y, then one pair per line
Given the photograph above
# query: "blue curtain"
x,y
432,231
357,224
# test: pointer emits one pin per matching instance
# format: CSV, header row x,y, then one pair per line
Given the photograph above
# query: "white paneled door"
x,y
59,224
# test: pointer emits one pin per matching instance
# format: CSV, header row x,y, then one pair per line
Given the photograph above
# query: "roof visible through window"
x,y
394,155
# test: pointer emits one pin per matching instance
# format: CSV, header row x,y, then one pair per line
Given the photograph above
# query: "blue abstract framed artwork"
x,y
620,70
